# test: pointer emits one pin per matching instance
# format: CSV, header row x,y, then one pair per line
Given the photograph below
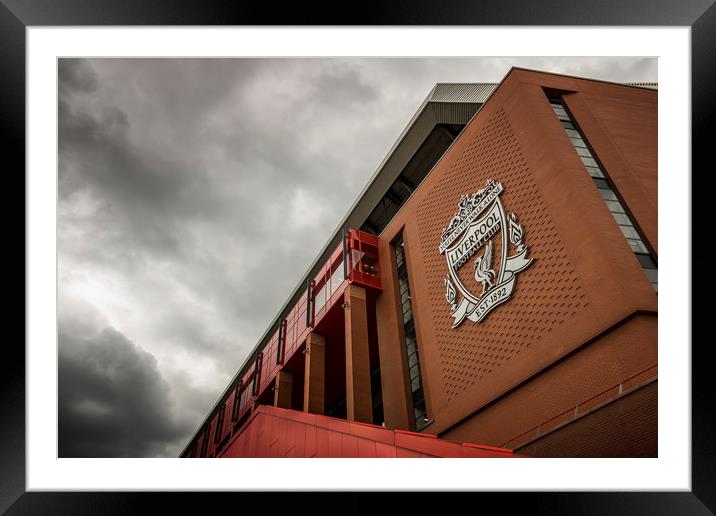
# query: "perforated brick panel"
x,y
547,294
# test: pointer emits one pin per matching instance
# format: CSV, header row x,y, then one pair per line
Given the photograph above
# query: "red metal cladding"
x,y
277,432
362,255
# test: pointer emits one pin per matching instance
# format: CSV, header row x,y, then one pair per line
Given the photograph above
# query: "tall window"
x,y
606,189
219,423
257,374
237,397
280,341
205,442
411,343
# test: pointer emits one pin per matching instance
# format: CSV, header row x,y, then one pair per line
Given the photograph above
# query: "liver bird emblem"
x,y
483,272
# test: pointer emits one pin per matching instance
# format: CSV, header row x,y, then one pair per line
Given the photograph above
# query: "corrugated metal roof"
x,y
462,92
452,113
480,91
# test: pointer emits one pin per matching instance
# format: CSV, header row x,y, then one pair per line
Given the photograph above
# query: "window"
x,y
319,300
256,376
281,341
420,413
235,406
219,423
205,443
609,194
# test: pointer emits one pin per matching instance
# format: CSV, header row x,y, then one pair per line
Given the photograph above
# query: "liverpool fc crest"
x,y
480,221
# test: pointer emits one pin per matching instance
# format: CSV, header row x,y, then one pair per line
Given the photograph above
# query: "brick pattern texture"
x,y
547,294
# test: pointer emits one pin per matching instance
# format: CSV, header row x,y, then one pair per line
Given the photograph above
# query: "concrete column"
x,y
359,403
282,389
314,385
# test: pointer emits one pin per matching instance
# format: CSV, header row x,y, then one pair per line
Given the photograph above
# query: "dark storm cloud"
x,y
76,75
113,402
194,194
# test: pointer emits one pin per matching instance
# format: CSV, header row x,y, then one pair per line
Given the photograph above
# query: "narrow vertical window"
x,y
205,443
237,397
280,341
257,374
219,424
609,194
411,343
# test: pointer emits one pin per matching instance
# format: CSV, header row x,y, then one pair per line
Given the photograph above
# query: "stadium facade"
x,y
492,292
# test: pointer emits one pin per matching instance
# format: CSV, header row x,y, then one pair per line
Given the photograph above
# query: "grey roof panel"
x,y
454,113
462,92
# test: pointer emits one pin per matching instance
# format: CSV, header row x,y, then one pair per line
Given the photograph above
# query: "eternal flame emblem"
x,y
480,219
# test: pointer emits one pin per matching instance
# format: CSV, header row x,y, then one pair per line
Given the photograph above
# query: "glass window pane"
x,y
567,125
320,299
419,411
589,162
420,422
407,311
601,183
652,274
629,232
410,330
595,172
572,133
582,151
637,246
336,278
646,261
608,195
615,207
414,372
622,219
578,142
412,360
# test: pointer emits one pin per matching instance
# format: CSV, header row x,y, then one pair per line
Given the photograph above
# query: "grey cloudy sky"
x,y
193,195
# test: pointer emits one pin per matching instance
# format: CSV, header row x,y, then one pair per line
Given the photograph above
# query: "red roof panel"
x,y
277,432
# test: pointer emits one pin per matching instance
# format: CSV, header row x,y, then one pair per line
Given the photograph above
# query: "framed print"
x,y
114,112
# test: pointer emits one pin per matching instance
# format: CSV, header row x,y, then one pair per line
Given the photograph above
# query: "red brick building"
x,y
495,284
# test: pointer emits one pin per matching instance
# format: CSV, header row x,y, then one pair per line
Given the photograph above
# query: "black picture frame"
x,y
16,15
